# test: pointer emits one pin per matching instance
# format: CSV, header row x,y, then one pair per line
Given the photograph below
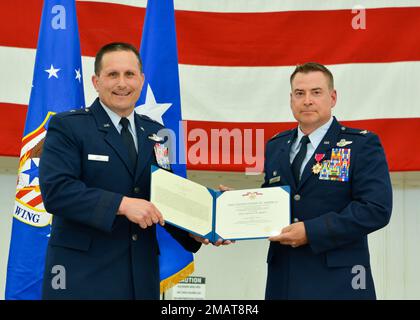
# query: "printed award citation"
x,y
212,214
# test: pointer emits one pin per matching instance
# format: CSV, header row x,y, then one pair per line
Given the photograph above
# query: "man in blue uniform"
x,y
340,192
95,180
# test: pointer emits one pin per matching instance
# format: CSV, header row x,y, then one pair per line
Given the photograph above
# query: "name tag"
x,y
98,157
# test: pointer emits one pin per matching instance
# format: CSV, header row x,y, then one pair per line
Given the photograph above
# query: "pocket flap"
x,y
348,258
70,239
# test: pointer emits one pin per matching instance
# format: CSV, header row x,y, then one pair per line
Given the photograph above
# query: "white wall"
x,y
239,271
395,249
8,174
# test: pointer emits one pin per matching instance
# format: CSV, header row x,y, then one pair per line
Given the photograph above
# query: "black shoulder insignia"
x,y
280,134
83,111
359,132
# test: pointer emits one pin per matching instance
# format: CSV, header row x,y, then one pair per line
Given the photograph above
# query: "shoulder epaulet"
x,y
280,134
147,118
355,131
83,111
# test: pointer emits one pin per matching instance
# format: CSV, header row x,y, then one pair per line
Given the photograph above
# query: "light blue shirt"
x,y
115,118
315,139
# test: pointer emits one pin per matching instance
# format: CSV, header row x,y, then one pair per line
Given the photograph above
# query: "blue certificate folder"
x,y
232,215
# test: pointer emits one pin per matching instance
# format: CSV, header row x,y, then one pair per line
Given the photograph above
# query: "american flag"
x,y
236,57
56,86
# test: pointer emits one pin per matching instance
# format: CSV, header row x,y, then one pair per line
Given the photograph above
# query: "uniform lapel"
x,y
327,143
283,157
111,135
286,159
145,145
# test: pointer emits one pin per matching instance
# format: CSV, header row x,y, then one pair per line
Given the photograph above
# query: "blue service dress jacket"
x,y
84,173
341,200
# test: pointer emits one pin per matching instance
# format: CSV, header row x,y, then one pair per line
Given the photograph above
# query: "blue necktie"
x,y
128,141
297,161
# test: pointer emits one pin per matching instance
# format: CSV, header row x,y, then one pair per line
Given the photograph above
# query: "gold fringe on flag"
x,y
177,277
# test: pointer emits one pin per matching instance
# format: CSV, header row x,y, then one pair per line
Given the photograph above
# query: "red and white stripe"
x,y
31,198
235,61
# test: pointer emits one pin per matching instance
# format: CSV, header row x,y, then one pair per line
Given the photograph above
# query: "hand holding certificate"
x,y
233,215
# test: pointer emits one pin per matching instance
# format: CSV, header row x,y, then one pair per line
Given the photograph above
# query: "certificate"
x,y
212,214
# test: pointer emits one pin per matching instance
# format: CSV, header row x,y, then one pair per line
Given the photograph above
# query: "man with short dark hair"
x,y
340,192
95,180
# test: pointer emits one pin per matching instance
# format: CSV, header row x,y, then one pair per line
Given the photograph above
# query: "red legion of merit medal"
x,y
318,166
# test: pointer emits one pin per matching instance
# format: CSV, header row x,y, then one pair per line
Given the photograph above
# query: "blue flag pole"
x,y
160,99
57,86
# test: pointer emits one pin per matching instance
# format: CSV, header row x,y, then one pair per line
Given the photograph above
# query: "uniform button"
x,y
134,237
136,190
296,197
295,220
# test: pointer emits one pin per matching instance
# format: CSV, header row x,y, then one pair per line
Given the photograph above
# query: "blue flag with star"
x,y
57,86
160,100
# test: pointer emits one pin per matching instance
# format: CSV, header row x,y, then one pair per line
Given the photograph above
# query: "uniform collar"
x,y
316,136
115,118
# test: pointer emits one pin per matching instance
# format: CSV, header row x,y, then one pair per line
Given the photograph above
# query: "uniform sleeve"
x,y
183,238
265,183
63,192
370,208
